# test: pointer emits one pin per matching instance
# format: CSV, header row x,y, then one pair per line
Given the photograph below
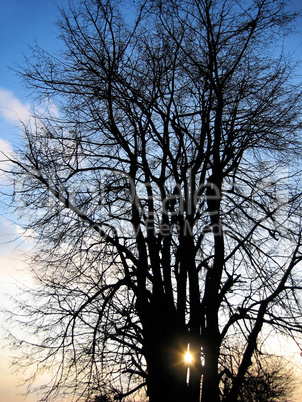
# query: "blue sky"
x,y
22,22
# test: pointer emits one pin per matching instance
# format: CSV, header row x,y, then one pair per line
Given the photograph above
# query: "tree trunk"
x,y
168,384
210,382
210,379
167,379
162,387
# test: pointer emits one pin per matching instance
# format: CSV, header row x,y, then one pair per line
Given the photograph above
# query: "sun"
x,y
188,356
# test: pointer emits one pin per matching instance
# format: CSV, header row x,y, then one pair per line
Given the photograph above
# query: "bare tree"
x,y
165,195
102,398
269,378
268,381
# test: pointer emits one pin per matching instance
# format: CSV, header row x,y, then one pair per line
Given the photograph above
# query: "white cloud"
x,y
6,153
47,107
5,148
26,234
12,108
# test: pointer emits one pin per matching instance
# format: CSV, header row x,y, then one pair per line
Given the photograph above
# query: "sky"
x,y
22,23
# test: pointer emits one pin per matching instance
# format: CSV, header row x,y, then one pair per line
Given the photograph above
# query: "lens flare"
x,y
188,356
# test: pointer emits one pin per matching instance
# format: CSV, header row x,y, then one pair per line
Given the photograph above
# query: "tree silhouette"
x,y
269,378
102,398
165,195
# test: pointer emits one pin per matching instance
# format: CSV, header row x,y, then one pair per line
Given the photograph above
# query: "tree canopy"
x,y
165,194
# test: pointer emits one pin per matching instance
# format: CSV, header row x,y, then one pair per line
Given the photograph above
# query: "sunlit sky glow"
x,y
22,23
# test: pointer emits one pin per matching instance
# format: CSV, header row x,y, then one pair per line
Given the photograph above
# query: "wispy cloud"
x,y
12,109
5,147
6,155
